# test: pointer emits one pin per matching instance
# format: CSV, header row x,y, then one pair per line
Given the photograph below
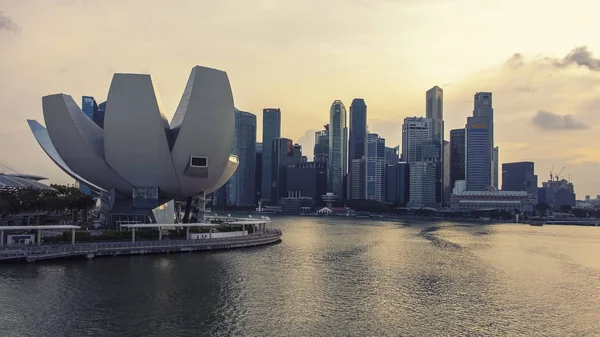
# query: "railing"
x,y
22,251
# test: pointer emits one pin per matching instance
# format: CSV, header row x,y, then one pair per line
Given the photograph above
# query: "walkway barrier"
x,y
60,250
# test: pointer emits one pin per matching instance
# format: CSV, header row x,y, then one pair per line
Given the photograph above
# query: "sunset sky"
x,y
537,57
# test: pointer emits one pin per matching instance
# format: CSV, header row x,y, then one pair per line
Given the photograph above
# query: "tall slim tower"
x,y
457,155
482,107
358,129
375,167
358,134
478,154
271,131
434,107
338,136
240,191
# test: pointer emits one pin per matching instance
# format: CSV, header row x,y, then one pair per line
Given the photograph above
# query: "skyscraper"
x,y
375,167
495,162
483,108
422,184
457,155
446,172
284,153
258,172
357,133
99,116
307,180
415,131
89,106
271,131
338,148
391,155
434,107
397,183
241,185
478,154
321,149
434,98
357,189
519,176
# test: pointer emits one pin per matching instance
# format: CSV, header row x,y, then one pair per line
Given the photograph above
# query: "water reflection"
x,y
328,277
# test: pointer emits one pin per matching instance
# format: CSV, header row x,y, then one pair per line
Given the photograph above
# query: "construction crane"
x,y
559,173
552,173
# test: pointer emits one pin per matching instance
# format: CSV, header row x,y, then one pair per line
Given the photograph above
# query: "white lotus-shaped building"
x,y
138,158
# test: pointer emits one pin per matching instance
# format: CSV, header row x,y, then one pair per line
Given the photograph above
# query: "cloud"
x,y
551,121
580,56
6,23
515,61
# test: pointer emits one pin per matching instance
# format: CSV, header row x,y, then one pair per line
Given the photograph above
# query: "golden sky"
x,y
537,57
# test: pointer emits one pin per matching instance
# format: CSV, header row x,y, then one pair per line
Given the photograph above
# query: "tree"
x,y
565,208
542,208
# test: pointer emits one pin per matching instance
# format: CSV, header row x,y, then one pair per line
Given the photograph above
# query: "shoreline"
x,y
33,253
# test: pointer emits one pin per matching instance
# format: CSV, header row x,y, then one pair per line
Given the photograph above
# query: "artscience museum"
x,y
138,160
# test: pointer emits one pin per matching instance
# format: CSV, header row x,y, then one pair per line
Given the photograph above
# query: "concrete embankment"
x,y
92,250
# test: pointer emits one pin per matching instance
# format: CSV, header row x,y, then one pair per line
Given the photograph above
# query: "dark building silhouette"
x,y
457,155
519,177
271,131
397,183
258,173
284,153
321,149
307,180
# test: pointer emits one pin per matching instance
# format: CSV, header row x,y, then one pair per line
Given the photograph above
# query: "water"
x,y
328,277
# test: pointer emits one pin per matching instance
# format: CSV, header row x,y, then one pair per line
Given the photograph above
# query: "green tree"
x,y
565,208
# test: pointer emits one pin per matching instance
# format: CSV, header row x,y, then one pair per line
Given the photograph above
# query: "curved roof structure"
x,y
11,182
138,152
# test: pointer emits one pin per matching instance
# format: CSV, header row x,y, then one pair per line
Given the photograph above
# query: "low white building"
x,y
501,200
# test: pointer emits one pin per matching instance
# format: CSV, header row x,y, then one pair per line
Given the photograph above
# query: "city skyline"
x,y
541,113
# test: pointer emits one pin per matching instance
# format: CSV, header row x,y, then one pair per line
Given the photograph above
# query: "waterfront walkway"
x,y
31,253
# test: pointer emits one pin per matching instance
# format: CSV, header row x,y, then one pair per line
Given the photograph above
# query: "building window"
x,y
198,161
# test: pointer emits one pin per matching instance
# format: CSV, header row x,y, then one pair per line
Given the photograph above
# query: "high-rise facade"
x,y
375,167
434,108
307,180
478,154
446,172
415,131
483,108
457,155
495,161
357,135
397,183
240,191
89,106
358,184
434,100
258,172
99,116
422,191
338,148
271,131
391,155
284,153
321,149
519,176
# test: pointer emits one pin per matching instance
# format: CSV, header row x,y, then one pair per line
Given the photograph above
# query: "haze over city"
x,y
301,56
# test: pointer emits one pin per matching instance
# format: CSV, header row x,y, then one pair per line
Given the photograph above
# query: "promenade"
x,y
37,252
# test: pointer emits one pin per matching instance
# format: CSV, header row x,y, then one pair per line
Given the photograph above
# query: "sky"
x,y
540,59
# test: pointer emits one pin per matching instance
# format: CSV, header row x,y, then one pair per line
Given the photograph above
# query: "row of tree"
x,y
64,198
